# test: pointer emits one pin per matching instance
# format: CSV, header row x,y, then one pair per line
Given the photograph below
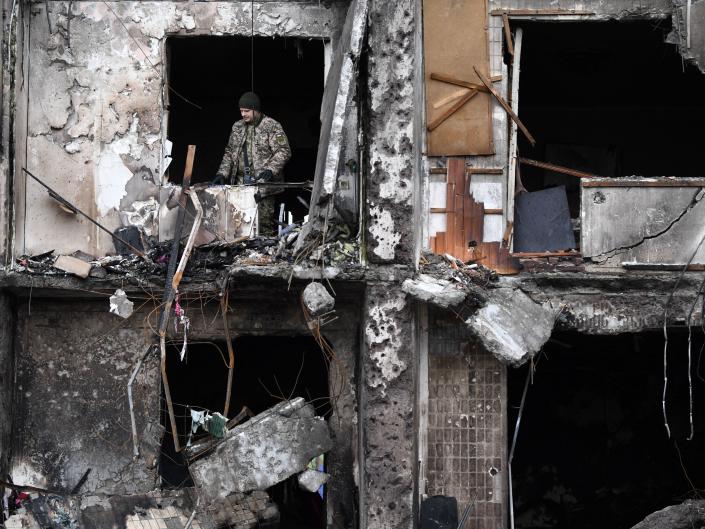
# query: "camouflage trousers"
x,y
267,216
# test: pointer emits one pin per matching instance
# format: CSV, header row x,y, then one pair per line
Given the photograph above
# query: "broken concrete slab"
x,y
120,305
317,299
439,292
262,452
688,514
72,265
512,326
312,480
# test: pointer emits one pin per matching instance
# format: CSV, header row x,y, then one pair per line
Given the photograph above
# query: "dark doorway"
x,y
268,369
609,98
213,72
592,449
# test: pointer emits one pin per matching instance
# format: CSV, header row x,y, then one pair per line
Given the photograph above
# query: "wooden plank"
x,y
558,168
455,36
484,170
466,84
438,121
440,242
505,106
508,34
651,182
513,139
538,12
493,211
507,234
528,255
438,170
451,97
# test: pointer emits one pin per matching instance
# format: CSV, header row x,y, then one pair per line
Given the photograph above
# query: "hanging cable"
x,y
252,45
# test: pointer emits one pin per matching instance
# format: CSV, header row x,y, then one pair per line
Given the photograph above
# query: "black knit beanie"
x,y
250,100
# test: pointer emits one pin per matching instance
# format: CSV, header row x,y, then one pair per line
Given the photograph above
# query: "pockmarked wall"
x,y
90,116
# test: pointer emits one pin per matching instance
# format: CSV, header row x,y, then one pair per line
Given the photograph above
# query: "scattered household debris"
x,y
312,480
262,452
317,299
214,423
120,305
73,266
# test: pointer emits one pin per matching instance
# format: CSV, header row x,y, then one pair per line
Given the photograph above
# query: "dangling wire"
x,y
252,45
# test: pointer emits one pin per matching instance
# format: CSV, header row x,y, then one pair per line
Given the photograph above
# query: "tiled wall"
x,y
466,423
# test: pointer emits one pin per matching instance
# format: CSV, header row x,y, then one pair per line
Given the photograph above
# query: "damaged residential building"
x,y
480,307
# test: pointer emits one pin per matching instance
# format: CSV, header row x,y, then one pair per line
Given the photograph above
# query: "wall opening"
x,y
214,71
592,449
609,98
268,369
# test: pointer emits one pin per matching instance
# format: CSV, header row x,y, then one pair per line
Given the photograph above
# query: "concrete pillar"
x,y
388,450
390,141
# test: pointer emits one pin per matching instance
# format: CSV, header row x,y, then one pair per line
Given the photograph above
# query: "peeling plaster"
x,y
111,178
382,230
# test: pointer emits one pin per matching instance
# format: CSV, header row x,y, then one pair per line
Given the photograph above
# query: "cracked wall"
x,y
656,224
94,106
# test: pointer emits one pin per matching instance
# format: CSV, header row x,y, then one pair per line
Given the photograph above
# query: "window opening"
x,y
214,72
608,98
268,369
592,450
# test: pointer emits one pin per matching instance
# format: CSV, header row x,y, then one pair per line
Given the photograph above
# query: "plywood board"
x,y
455,40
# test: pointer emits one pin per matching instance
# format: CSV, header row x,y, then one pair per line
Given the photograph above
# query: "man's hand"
x,y
265,176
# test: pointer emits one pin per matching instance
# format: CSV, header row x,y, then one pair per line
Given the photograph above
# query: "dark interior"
x,y
592,449
268,369
609,98
213,72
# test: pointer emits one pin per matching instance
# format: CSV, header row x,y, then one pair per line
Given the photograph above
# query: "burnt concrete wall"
x,y
7,364
71,413
91,118
387,404
389,131
466,456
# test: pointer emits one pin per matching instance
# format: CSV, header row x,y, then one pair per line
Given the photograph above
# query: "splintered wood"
x,y
465,224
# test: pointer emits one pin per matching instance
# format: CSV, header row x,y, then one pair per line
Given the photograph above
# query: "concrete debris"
x,y
317,299
312,480
687,515
120,305
262,452
512,326
72,265
439,292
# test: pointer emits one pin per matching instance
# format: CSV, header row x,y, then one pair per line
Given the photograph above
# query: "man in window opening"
x,y
256,153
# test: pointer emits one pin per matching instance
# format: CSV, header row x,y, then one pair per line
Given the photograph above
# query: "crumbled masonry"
x,y
317,299
260,453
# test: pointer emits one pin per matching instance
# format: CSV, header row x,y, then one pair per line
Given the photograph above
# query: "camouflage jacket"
x,y
269,150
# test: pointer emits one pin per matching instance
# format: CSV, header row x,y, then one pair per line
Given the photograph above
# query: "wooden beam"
x,y
508,34
455,95
469,170
465,84
538,12
505,106
512,162
452,110
558,168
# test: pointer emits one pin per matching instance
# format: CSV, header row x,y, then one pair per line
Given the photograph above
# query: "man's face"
x,y
248,115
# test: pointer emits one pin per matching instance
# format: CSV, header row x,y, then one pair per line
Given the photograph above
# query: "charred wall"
x,y
71,412
7,376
